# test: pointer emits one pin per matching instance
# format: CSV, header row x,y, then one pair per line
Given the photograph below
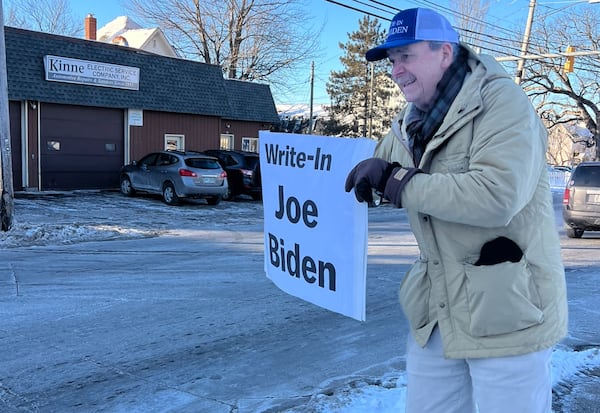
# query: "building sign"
x,y
85,72
315,232
135,117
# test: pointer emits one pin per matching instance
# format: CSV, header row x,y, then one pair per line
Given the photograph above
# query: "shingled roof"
x,y
249,102
166,84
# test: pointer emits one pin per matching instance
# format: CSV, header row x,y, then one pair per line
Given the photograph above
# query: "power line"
x,y
375,7
482,36
494,44
356,9
395,9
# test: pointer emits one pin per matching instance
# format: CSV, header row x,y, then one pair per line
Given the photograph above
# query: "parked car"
x,y
176,175
243,172
581,200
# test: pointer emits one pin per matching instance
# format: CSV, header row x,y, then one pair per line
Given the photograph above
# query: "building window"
x,y
174,142
250,144
226,141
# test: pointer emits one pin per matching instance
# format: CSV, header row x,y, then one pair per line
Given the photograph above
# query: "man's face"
x,y
417,70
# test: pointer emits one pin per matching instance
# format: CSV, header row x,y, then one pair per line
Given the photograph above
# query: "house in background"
x,y
125,32
79,109
569,144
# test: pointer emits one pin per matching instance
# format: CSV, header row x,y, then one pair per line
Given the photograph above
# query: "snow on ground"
x,y
389,396
41,234
386,395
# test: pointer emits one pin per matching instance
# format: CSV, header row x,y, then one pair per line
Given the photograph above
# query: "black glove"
x,y
386,178
367,175
499,250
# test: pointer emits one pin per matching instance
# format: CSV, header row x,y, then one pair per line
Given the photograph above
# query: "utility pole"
x,y
6,184
366,103
312,86
371,101
525,43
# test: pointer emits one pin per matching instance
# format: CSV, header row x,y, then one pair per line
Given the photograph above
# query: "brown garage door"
x,y
81,147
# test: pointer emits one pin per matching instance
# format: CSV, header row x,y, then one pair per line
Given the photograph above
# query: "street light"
x,y
525,43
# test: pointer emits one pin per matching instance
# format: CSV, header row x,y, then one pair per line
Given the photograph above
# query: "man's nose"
x,y
397,69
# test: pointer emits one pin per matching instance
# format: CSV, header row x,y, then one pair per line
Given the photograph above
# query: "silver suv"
x,y
581,200
176,175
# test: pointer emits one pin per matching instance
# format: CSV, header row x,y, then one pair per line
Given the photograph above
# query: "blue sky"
x,y
339,21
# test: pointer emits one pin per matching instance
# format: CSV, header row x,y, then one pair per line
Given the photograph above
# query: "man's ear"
x,y
447,55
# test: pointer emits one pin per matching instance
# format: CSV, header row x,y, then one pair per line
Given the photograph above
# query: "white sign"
x,y
315,232
135,117
85,72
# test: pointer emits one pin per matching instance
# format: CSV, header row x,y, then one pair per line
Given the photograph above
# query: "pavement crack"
x,y
14,278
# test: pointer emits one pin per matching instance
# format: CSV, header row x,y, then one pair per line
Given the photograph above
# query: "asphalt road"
x,y
181,318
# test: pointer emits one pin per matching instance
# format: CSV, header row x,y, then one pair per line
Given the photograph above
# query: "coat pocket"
x,y
502,298
414,293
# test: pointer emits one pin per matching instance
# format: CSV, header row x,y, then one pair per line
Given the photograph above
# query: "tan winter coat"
x,y
485,177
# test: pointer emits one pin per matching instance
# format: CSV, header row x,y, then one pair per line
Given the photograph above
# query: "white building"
x,y
125,32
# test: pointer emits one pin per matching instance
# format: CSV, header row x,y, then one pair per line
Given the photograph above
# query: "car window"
x,y
229,160
166,159
216,154
148,160
587,176
251,161
202,163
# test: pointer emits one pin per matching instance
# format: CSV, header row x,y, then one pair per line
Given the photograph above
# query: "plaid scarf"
x,y
421,126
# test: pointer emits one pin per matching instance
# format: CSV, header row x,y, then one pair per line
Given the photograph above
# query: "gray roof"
x,y
166,84
251,101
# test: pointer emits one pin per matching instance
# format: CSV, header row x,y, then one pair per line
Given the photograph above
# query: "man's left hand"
x,y
388,179
372,173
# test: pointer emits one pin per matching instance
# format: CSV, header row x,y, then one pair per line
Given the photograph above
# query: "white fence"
x,y
558,179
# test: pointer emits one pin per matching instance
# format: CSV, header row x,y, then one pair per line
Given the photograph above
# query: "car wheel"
x,y
126,188
213,200
574,232
169,195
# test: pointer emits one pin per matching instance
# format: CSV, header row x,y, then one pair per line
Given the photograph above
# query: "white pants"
x,y
517,384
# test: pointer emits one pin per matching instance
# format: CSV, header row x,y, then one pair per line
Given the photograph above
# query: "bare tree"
x,y
563,142
471,19
560,97
49,16
250,39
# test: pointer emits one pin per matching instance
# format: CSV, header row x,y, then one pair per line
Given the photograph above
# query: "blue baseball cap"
x,y
412,26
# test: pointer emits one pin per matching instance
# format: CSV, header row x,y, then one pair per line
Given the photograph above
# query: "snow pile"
x,y
389,394
45,234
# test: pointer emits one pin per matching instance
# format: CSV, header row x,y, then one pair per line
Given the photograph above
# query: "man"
x,y
486,300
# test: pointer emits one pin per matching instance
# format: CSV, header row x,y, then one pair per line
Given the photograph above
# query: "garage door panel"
x,y
82,147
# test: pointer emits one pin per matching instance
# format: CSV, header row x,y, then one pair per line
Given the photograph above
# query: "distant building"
x,y
79,109
569,144
295,118
125,32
